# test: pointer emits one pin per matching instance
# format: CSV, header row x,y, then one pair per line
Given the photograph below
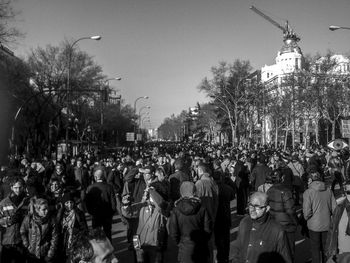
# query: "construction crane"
x,y
288,33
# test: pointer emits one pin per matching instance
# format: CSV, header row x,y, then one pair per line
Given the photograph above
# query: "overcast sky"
x,y
164,48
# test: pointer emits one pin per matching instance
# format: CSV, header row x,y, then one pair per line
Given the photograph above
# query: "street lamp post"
x,y
106,86
144,107
333,28
142,97
70,50
144,119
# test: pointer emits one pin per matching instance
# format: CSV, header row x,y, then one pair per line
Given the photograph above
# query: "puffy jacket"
x,y
318,205
11,217
282,207
100,200
40,237
190,226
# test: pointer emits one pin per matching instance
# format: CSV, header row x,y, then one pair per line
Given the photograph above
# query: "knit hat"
x,y
67,197
187,189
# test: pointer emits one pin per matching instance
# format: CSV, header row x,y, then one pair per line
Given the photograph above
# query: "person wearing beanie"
x,y
190,226
71,221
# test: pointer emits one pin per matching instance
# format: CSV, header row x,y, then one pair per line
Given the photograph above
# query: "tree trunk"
x,y
317,131
333,130
293,133
286,136
306,133
232,127
236,126
276,134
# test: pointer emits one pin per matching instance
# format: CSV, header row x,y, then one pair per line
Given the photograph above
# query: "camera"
x,y
136,241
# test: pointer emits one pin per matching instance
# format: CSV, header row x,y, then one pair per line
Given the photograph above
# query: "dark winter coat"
x,y
223,214
115,178
190,226
282,207
257,238
259,174
175,182
40,237
207,190
81,177
288,176
241,173
100,200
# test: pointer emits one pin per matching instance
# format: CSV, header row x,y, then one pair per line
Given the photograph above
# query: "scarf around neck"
x,y
67,224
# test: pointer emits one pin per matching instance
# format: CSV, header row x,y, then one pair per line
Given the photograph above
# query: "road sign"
x,y
345,128
130,137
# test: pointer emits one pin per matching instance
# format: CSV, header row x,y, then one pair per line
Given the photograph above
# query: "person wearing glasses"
x,y
260,238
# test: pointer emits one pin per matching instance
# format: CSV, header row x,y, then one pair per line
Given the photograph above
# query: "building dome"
x,y
290,46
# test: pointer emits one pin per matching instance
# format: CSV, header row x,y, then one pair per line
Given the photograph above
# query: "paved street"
x,y
119,241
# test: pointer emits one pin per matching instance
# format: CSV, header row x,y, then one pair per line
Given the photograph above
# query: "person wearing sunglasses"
x,y
260,238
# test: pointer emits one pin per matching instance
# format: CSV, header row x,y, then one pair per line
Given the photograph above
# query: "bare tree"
x,y
8,33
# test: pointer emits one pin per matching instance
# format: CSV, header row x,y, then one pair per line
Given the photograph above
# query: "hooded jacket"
x,y
318,205
190,226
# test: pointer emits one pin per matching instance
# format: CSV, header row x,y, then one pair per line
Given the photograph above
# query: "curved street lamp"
x,y
144,107
70,50
107,80
105,92
146,118
333,28
142,97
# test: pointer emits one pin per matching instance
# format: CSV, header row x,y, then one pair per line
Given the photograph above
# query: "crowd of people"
x,y
182,192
